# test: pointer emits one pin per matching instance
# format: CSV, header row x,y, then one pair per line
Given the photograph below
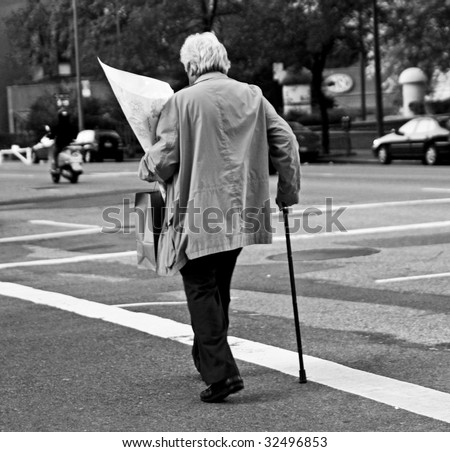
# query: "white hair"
x,y
203,52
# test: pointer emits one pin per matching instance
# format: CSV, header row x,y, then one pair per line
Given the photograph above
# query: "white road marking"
x,y
62,224
411,397
436,189
113,174
17,176
325,208
149,303
51,235
377,230
94,277
68,260
324,175
413,278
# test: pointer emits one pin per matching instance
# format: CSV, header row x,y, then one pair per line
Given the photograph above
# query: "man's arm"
x,y
162,160
284,154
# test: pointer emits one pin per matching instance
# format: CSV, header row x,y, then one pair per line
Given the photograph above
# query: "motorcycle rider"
x,y
63,135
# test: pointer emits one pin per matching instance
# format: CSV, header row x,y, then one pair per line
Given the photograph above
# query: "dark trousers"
x,y
207,285
53,157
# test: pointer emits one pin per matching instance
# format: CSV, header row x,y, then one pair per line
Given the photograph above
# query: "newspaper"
x,y
141,99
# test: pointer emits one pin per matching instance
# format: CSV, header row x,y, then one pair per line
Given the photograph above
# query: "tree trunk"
x,y
318,66
209,10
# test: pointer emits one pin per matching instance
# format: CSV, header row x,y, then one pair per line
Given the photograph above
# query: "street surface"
x,y
89,342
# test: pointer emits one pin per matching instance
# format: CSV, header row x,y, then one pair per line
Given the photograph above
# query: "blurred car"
x,y
423,138
309,144
97,145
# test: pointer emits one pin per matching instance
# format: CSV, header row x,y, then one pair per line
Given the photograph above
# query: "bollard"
x,y
346,122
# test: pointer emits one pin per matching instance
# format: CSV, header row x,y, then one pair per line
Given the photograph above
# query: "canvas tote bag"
x,y
149,207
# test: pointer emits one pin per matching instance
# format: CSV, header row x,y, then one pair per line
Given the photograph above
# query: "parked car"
x,y
309,144
97,145
423,138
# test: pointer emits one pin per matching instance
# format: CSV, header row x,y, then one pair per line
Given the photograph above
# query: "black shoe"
x,y
221,390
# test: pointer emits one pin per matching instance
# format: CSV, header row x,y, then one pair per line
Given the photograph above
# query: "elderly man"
x,y
214,140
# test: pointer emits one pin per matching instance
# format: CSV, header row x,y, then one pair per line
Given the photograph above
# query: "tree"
x,y
144,36
415,33
331,34
30,38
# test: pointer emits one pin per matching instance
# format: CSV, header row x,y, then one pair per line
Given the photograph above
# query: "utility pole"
x,y
119,43
362,67
77,67
378,91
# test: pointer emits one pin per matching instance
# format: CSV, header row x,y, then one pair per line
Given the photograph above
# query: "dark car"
x,y
423,138
309,144
97,145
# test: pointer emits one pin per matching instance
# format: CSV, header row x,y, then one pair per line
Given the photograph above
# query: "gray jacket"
x,y
213,144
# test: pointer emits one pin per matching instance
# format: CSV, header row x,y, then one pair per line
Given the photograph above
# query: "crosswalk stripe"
x,y
63,224
413,398
51,235
68,260
364,231
413,277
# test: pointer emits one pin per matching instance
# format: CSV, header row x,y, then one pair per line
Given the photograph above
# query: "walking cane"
x,y
285,210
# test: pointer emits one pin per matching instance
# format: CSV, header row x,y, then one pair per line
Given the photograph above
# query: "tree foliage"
x,y
415,34
330,36
144,36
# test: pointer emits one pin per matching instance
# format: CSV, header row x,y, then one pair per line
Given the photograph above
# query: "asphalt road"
x,y
372,254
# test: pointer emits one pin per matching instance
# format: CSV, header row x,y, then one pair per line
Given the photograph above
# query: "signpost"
x,y
77,67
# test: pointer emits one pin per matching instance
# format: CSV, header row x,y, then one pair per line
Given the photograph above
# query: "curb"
x,y
344,160
353,157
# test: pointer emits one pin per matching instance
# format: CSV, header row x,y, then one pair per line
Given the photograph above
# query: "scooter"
x,y
69,165
69,159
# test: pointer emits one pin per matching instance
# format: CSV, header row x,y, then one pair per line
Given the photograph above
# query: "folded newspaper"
x,y
141,99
